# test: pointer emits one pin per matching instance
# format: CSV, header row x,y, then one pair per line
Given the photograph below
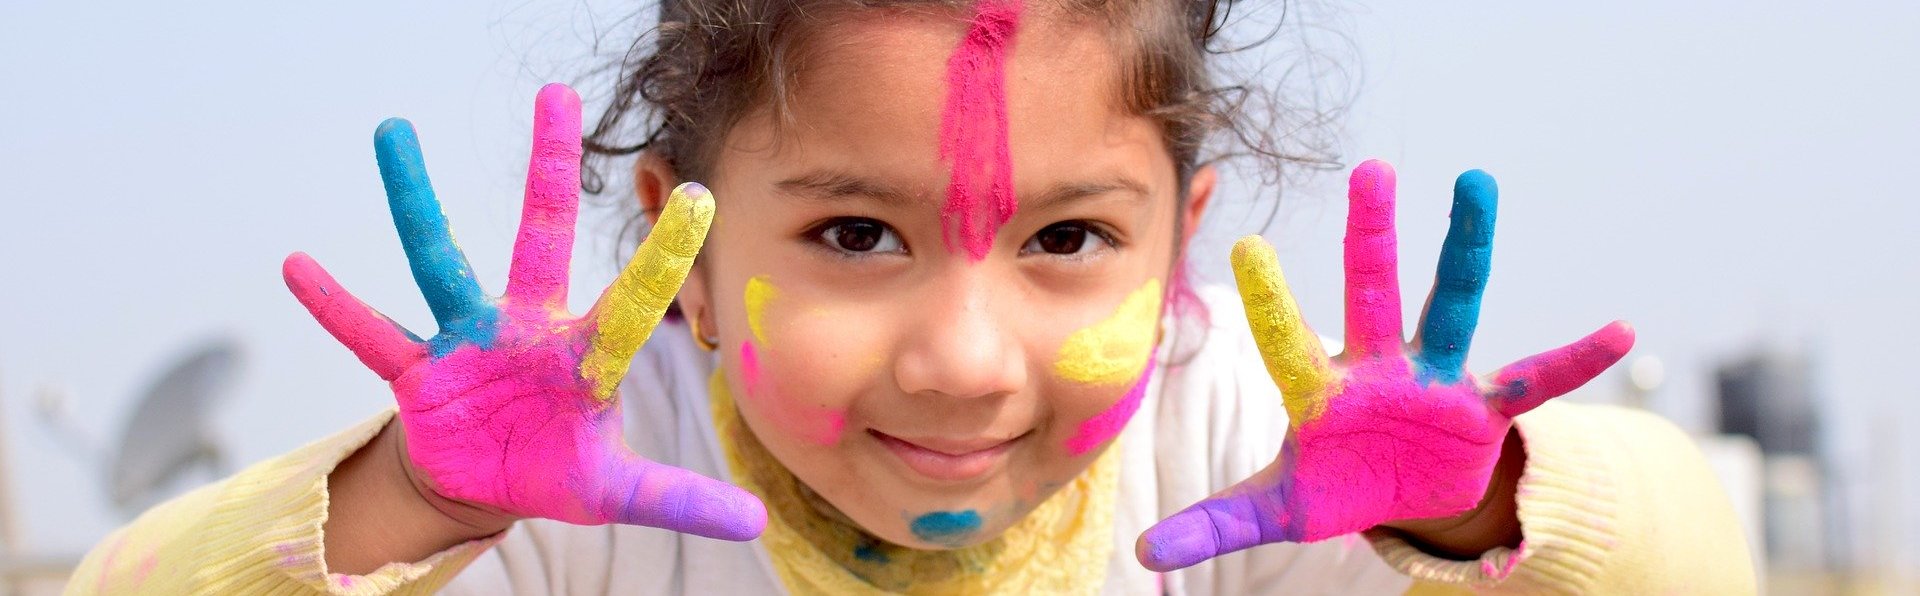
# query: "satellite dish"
x,y
170,431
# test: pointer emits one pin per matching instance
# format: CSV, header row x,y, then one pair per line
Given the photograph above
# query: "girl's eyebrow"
x,y
830,185
1063,193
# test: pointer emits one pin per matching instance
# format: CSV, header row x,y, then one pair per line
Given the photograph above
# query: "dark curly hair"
x,y
703,65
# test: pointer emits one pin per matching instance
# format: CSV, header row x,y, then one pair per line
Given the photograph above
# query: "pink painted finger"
x,y
1524,385
1254,512
381,344
1372,262
545,246
642,492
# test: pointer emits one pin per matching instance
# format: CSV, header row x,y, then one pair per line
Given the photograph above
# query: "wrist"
x,y
377,513
1494,522
448,514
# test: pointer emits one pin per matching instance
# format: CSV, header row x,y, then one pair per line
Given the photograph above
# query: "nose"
x,y
962,346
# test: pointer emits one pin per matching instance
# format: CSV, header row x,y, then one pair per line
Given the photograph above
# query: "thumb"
x,y
1256,511
637,491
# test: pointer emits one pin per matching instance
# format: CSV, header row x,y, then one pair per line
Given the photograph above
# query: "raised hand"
x,y
512,405
1387,431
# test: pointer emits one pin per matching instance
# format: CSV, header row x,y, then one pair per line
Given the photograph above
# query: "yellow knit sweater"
x,y
1612,501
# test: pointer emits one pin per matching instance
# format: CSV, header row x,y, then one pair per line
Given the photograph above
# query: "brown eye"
x,y
1064,238
859,235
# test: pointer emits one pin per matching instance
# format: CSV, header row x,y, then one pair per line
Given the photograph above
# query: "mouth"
x,y
949,460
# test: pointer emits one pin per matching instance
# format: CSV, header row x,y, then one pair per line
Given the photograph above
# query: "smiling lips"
x,y
948,460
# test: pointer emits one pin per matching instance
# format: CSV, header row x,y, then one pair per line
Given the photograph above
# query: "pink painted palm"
x,y
1387,431
512,407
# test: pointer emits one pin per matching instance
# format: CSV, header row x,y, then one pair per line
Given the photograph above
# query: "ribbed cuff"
x,y
271,516
1566,504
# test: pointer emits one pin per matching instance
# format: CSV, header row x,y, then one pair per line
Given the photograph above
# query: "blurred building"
x,y
1768,396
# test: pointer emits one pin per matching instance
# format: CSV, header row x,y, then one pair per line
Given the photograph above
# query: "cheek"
x,y
1104,426
777,399
1114,355
800,363
1113,352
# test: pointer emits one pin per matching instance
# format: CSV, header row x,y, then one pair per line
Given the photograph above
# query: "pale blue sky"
x,y
1722,174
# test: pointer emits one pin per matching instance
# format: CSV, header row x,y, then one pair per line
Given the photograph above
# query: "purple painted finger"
x,y
1373,284
380,343
1254,512
545,245
641,492
1524,385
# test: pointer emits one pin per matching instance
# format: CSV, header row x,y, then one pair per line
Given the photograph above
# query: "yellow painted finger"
x,y
1292,352
629,310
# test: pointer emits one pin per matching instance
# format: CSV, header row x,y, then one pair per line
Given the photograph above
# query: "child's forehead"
x,y
878,80
869,101
906,52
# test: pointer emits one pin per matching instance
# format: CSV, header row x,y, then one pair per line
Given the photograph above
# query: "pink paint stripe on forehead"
x,y
973,130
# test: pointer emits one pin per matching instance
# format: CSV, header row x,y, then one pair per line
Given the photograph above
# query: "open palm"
x,y
512,406
1387,431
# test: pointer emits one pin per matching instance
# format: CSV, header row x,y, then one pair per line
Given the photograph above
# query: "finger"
x,y
380,343
545,245
1466,257
646,493
439,267
1292,352
1248,514
1524,385
626,314
1373,287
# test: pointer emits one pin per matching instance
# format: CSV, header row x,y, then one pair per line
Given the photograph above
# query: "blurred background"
x,y
1727,176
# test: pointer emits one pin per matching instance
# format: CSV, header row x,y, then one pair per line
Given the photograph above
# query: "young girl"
x,y
936,341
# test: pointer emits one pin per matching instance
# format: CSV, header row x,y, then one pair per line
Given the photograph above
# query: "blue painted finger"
x,y
1446,332
440,269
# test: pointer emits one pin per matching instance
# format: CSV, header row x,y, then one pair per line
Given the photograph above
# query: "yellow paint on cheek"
x,y
1113,351
759,293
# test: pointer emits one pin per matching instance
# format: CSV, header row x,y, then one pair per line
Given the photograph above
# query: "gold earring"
x,y
693,324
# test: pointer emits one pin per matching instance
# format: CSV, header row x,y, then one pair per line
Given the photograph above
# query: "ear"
x,y
1199,195
653,180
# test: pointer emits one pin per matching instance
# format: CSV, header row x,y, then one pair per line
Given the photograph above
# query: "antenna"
x,y
170,431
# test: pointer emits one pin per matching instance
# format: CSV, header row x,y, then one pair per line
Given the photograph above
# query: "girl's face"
x,y
931,398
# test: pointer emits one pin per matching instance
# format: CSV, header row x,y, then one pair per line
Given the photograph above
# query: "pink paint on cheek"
x,y
749,368
973,130
817,424
832,424
1106,425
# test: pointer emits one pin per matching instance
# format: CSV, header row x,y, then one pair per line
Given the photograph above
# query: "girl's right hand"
x,y
512,408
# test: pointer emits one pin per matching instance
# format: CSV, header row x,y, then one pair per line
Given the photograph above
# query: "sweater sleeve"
x,y
1612,501
256,532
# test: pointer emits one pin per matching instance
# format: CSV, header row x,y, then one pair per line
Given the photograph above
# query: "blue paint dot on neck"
x,y
946,527
870,552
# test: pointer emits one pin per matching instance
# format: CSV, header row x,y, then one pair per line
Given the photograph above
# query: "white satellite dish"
x,y
170,432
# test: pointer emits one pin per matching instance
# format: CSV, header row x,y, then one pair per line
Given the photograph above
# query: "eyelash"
x,y
824,237
1099,231
819,236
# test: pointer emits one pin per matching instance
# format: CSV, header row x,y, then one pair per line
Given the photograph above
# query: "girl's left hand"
x,y
1387,431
